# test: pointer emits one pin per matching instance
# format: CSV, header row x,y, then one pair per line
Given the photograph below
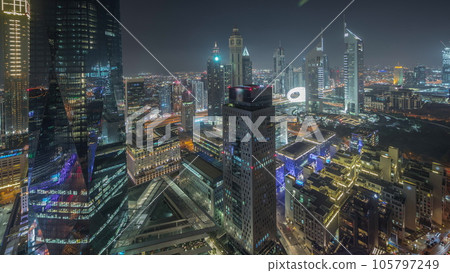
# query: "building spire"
x,y
216,49
245,53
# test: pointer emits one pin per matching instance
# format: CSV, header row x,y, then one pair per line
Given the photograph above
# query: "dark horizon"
x,y
182,33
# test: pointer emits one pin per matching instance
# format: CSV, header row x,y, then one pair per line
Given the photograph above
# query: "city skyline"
x,y
318,154
182,47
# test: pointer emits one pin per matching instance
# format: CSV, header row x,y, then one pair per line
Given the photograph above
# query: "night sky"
x,y
181,33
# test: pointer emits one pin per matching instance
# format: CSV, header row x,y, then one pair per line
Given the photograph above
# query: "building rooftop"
x,y
298,150
204,167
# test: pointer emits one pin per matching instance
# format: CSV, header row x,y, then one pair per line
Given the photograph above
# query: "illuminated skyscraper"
x,y
187,115
216,83
14,65
314,72
247,67
77,188
177,97
279,64
353,72
134,95
446,66
249,169
398,75
236,45
198,88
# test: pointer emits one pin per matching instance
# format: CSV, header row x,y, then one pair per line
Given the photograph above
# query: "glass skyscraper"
x,y
314,68
353,72
77,184
216,83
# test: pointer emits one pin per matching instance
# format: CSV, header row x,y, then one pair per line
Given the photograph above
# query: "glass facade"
x,y
77,187
353,72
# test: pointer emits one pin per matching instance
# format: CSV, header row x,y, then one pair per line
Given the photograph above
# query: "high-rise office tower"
x,y
279,63
177,97
353,72
187,115
314,72
165,104
216,83
14,65
198,88
398,75
420,75
77,186
134,95
247,67
249,190
446,66
236,45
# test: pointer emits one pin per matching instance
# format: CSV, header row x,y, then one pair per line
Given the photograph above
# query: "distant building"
x,y
177,97
201,95
249,170
446,66
216,83
134,95
420,75
247,67
165,103
353,72
236,45
398,75
187,116
314,73
279,63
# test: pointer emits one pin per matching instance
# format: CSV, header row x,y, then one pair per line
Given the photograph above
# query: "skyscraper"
x,y
279,64
247,67
314,72
353,72
249,190
14,65
177,97
134,95
236,45
77,188
398,75
420,75
216,83
187,115
446,66
198,88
